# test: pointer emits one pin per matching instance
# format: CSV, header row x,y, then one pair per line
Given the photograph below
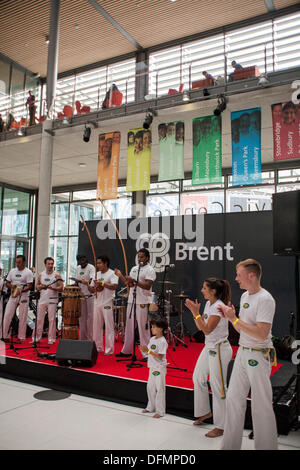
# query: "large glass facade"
x,y
66,211
16,226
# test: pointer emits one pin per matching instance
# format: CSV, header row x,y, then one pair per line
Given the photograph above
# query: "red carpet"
x,y
180,358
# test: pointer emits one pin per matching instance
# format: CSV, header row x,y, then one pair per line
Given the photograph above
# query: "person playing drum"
x,y
85,272
49,283
19,280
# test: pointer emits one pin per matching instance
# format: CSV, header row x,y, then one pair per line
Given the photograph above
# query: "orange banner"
x,y
108,165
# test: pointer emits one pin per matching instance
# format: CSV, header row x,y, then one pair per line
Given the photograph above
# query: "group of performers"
x,y
252,365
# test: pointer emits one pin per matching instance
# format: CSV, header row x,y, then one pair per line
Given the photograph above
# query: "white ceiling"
x,y
19,158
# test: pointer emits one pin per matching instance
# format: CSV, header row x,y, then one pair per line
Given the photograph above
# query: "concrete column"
x,y
141,82
139,204
45,183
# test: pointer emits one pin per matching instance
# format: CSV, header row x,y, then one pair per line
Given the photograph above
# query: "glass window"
x,y
163,205
77,211
288,187
60,197
249,199
8,250
16,205
73,251
118,208
267,178
84,195
203,202
289,176
59,219
59,251
188,186
0,209
165,187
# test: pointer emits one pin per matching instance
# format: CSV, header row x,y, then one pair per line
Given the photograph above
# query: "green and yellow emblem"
x,y
252,362
246,305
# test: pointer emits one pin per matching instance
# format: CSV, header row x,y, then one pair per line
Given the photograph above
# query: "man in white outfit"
x,y
253,362
146,276
85,273
22,277
106,285
1,299
49,283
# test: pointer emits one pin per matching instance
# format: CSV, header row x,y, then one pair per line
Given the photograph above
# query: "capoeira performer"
x,y
85,272
49,284
157,364
19,280
215,356
106,285
253,362
143,294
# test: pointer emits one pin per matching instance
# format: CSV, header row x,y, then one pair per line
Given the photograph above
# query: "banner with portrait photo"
x,y
286,130
246,147
139,159
108,165
171,151
207,150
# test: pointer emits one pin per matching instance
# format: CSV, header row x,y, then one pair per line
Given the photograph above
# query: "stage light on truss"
x,y
87,134
149,118
185,96
263,80
221,105
206,92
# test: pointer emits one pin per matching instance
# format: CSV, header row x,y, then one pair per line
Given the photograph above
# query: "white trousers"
x,y
10,309
41,312
156,390
208,365
251,369
86,319
143,325
103,314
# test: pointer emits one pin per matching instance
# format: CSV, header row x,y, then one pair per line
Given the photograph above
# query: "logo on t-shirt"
x,y
246,305
156,373
205,316
47,279
18,275
252,362
82,273
153,346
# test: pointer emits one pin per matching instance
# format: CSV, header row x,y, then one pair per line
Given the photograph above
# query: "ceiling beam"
x,y
113,22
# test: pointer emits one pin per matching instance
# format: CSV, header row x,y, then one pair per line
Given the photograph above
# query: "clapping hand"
x,y
194,307
227,311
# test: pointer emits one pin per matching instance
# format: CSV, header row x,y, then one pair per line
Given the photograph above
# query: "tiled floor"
x,y
78,422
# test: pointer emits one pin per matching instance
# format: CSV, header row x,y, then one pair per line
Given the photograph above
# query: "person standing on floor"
x,y
157,364
19,280
105,286
49,284
215,356
85,273
253,362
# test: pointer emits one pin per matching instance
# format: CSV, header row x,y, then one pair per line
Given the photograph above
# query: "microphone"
x,y
171,266
141,264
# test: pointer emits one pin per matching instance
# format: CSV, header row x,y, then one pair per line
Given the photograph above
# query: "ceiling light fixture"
x,y
185,96
263,80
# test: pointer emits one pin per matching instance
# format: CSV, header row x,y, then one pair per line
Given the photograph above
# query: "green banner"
x,y
207,150
139,160
171,151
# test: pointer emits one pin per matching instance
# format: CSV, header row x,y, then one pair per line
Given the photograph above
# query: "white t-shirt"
x,y
107,295
159,346
48,295
254,308
146,273
86,273
20,278
220,333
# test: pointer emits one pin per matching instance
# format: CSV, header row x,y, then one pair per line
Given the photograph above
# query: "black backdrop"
x,y
250,235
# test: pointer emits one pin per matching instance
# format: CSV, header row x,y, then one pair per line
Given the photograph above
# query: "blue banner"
x,y
246,147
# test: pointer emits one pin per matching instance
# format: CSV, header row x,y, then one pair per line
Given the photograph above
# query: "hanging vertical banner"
x,y
139,160
207,150
246,147
108,165
286,130
171,151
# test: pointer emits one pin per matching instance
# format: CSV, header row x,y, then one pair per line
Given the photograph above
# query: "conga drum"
x,y
71,311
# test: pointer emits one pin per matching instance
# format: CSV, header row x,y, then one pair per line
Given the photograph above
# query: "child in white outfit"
x,y
157,363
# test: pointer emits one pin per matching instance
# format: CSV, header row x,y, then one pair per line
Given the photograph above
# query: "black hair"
x,y
105,259
21,256
222,288
145,251
49,258
160,322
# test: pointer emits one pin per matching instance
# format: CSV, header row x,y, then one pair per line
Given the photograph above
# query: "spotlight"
x,y
221,105
263,80
47,39
205,92
149,118
21,131
185,96
87,134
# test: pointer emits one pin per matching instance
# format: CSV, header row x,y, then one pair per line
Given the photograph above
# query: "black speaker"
x,y
286,223
75,352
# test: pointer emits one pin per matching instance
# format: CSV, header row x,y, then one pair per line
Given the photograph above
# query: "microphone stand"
x,y
134,363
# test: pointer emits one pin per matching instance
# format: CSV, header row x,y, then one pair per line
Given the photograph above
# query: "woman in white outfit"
x,y
215,356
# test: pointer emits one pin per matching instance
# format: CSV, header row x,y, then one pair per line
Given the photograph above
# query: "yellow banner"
x,y
139,160
108,165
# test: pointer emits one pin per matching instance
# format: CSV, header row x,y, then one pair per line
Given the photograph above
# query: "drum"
x,y
71,311
15,291
153,304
